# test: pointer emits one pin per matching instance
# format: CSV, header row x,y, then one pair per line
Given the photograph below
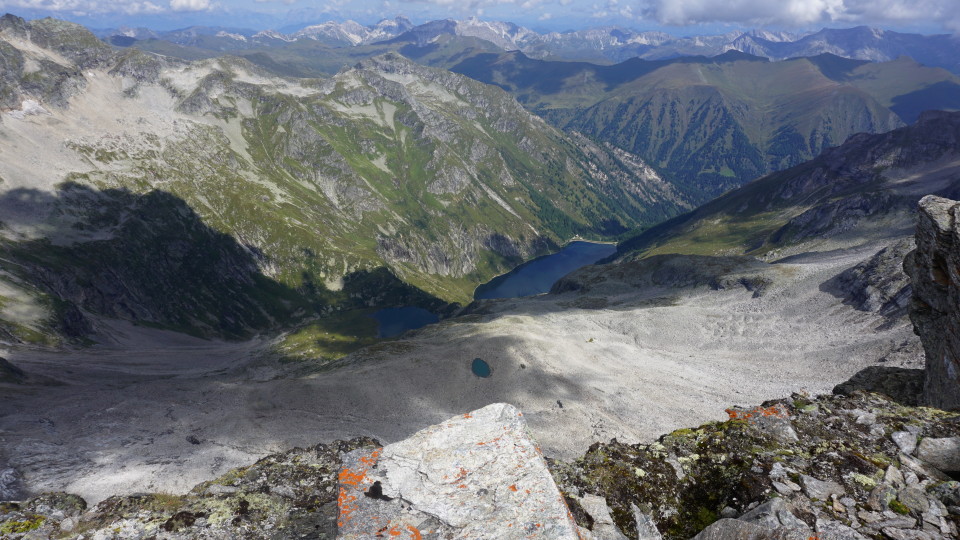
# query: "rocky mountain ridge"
x,y
386,184
708,118
610,44
732,117
862,190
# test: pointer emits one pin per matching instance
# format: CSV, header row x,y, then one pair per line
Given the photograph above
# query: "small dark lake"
x,y
538,275
395,321
480,368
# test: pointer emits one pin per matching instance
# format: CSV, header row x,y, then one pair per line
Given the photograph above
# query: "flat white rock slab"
x,y
478,475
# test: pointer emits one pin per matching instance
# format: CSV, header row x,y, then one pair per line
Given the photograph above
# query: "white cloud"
x,y
803,12
790,13
189,5
545,17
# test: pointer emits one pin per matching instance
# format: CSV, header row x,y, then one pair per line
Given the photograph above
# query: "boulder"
x,y
477,475
774,514
834,530
603,526
820,489
905,441
734,529
944,454
914,499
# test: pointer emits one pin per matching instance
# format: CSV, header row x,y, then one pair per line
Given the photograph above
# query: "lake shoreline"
x,y
499,280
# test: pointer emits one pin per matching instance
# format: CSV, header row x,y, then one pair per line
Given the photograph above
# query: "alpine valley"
x,y
197,227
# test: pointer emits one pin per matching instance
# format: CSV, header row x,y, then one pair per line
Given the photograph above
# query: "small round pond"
x,y
480,368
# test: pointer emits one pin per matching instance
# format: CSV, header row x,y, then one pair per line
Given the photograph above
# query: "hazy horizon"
x,y
677,17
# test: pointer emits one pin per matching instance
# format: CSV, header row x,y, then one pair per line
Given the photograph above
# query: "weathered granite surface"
x,y
934,270
478,475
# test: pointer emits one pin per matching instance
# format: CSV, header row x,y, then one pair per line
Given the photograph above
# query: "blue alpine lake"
x,y
395,321
528,279
538,275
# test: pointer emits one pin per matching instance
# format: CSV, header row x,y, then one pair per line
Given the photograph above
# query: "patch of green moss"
x,y
703,517
164,502
19,527
899,507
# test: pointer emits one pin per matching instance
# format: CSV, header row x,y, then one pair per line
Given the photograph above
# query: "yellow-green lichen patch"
x,y
23,526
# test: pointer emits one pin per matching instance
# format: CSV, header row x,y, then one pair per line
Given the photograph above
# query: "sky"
x,y
673,16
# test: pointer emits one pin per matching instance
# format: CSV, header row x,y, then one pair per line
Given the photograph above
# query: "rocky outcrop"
x,y
934,270
477,475
878,284
854,466
830,467
287,495
28,77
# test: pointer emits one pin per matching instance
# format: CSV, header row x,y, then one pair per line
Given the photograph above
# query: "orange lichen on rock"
x,y
345,506
453,475
371,460
355,479
776,411
352,478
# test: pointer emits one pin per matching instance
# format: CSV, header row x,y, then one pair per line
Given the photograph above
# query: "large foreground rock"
x,y
934,270
478,475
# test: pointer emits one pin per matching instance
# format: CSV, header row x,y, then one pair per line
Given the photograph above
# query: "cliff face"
x,y
934,269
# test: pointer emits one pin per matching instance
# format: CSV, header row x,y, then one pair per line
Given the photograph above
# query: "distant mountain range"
x,y
711,124
604,44
705,114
